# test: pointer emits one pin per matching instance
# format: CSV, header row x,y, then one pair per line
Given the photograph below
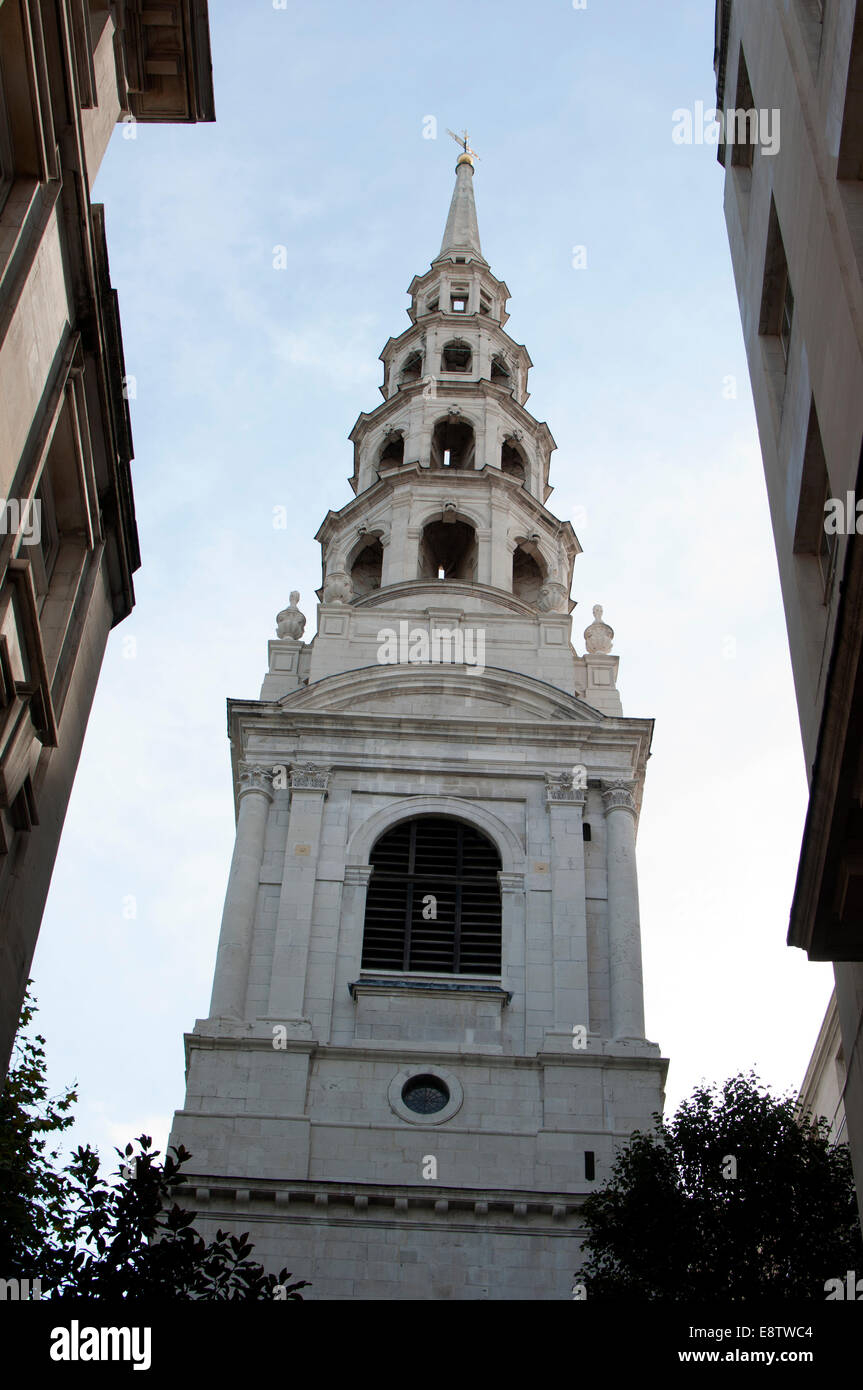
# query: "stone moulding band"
x,y
430,987
436,1202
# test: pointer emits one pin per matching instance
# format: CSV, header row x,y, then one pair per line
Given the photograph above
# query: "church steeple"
x,y
430,949
461,235
451,475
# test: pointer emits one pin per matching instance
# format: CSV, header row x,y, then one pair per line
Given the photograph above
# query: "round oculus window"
x,y
425,1095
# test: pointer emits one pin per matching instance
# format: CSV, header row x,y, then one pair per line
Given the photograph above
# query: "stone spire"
x,y
461,236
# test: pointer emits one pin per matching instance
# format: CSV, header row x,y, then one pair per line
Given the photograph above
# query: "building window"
x,y
811,15
586,831
484,303
453,444
425,1095
367,569
787,319
499,370
28,142
742,135
527,576
811,537
412,367
433,902
828,546
777,299
456,357
448,550
850,162
459,299
393,450
7,164
44,554
512,460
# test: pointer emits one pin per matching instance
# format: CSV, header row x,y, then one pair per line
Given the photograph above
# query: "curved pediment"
x,y
454,692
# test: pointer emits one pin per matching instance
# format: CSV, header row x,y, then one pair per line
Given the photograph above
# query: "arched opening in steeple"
x,y
512,460
499,370
367,569
393,450
527,575
448,550
412,368
434,902
456,356
453,444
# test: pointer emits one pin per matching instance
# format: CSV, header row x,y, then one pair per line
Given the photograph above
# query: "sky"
x,y
247,381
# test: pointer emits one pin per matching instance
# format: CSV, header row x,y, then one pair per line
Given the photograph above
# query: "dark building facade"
x,y
69,71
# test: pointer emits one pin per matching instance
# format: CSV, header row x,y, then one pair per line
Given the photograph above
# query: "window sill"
x,y
469,988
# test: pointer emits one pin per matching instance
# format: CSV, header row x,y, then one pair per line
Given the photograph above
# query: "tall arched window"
x,y
367,569
453,444
433,902
448,550
456,356
393,450
527,577
412,367
512,460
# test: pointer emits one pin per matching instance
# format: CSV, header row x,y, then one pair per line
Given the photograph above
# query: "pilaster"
x,y
396,551
294,923
565,804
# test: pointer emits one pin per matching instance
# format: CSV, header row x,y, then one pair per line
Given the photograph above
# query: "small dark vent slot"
x,y
433,902
589,1165
585,830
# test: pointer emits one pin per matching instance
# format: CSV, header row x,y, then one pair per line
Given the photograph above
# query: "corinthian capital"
x,y
307,777
566,786
618,795
253,777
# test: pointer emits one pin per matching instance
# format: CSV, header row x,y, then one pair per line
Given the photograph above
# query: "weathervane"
x,y
463,141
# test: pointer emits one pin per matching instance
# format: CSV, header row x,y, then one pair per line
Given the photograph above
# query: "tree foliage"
x,y
35,1193
737,1197
85,1237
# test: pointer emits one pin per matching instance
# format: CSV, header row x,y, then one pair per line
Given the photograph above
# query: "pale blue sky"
x,y
249,380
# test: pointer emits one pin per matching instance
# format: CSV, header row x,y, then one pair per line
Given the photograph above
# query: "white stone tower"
x,y
426,1034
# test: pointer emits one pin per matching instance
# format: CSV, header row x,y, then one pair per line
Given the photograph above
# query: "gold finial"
x,y
468,155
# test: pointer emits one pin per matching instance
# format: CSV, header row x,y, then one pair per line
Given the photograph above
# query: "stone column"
x,y
624,927
565,803
238,918
294,922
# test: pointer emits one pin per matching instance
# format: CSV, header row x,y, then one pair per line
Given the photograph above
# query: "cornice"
x,y
412,476
458,387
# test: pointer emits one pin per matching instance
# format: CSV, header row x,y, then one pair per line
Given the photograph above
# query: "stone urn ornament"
x,y
598,636
291,622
